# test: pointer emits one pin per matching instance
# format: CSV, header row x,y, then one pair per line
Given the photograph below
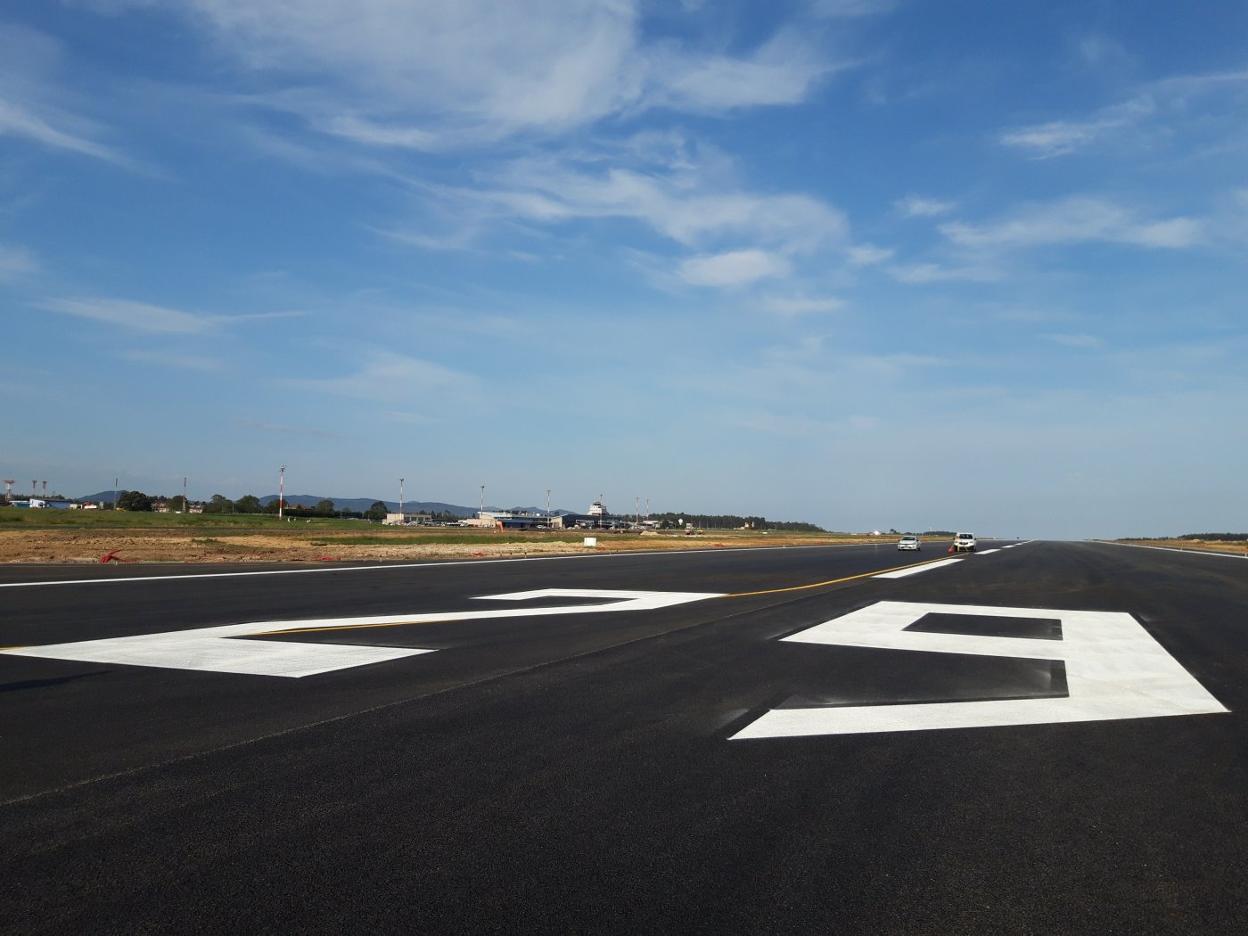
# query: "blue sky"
x,y
861,262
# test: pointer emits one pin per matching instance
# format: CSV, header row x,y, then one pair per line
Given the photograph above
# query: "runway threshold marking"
x,y
1114,670
216,649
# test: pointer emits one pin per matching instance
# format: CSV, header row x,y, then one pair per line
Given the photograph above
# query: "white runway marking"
x,y
915,570
1114,670
989,552
1185,552
216,649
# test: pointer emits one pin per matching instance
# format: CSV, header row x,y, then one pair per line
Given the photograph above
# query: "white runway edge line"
x,y
1114,670
1185,552
989,552
915,570
216,649
420,565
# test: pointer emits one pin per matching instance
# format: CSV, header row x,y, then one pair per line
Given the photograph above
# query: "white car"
x,y
964,542
909,541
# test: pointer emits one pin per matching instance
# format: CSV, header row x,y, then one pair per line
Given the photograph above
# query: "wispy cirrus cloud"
x,y
732,235
1164,102
683,206
390,73
1062,137
19,120
1075,340
152,319
918,274
396,378
16,261
916,206
176,360
862,255
33,99
794,306
1076,220
733,268
850,9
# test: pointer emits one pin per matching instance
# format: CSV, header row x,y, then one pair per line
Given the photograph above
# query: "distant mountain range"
x,y
357,504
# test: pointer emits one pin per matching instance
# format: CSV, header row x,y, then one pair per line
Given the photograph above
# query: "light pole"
x,y
400,501
481,509
116,492
548,505
186,504
281,491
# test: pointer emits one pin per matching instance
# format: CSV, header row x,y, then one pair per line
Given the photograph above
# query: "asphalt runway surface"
x,y
1041,738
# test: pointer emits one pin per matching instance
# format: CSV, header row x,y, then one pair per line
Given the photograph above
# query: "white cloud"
x,y
733,268
18,120
687,206
1075,340
1073,221
921,273
852,8
176,360
394,378
448,73
143,317
915,206
1167,101
136,316
781,71
802,305
868,254
16,261
1058,137
362,130
36,105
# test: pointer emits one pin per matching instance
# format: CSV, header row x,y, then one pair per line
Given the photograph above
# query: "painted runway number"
x,y
220,649
1114,670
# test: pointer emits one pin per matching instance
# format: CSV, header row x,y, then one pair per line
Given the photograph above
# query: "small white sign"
x,y
1114,670
591,541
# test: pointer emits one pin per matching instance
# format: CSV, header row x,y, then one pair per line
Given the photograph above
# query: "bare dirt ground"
x,y
1223,546
88,546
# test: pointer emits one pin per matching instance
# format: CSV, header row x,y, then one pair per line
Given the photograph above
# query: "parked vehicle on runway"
x,y
909,541
964,542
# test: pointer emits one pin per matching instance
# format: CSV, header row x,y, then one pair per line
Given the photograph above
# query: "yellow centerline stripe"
x,y
836,581
749,594
735,594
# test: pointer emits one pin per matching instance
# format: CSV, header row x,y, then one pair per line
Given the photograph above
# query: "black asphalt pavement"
x,y
576,772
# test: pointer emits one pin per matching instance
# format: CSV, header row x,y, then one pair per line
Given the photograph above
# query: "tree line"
x,y
138,501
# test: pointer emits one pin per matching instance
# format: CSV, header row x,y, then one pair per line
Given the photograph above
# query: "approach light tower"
x,y
281,491
400,501
8,489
